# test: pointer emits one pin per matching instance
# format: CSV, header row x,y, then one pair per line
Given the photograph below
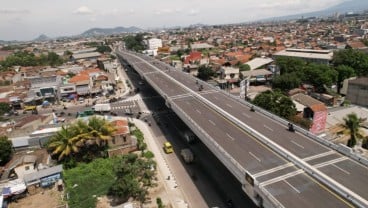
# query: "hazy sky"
x,y
27,19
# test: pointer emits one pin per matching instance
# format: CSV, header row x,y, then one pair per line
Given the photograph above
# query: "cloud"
x,y
83,10
193,12
14,11
167,11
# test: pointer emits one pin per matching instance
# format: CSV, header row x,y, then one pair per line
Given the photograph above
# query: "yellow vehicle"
x,y
30,108
168,148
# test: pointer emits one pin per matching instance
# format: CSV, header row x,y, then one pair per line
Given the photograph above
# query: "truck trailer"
x,y
103,107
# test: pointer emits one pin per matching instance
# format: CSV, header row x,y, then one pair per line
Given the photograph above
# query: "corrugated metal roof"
x,y
43,173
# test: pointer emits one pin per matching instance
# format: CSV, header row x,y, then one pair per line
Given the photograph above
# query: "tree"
x,y
103,49
99,130
286,82
355,59
63,143
205,72
4,107
344,72
289,65
319,75
6,149
134,42
134,176
244,67
276,102
351,126
53,59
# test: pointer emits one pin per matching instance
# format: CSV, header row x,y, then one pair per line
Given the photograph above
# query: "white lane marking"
x,y
232,138
320,165
246,115
295,189
280,167
213,123
198,111
297,144
259,160
341,169
319,155
267,127
280,178
229,105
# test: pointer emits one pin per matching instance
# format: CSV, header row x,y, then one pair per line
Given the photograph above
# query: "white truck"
x,y
187,155
103,107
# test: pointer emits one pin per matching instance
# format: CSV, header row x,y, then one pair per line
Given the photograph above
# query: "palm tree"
x,y
352,125
63,143
99,131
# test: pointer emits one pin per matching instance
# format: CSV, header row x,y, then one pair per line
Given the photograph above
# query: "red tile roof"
x,y
193,56
79,78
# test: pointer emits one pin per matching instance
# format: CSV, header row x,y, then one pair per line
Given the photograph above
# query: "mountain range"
x,y
110,31
346,6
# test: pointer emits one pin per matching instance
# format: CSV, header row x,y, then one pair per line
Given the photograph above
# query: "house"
x,y
122,142
43,177
258,75
357,92
256,63
230,74
25,165
311,109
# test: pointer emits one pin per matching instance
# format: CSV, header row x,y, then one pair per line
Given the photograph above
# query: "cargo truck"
x,y
103,107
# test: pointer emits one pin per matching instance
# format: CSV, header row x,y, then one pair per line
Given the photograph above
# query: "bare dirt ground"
x,y
48,198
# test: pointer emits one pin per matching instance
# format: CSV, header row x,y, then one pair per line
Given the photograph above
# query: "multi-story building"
x,y
154,43
358,91
316,56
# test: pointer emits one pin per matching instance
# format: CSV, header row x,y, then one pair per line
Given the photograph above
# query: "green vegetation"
x,y
134,42
81,141
276,102
134,176
4,107
159,203
358,60
352,127
23,58
205,72
318,75
346,63
6,150
103,49
86,182
344,72
286,82
244,67
140,139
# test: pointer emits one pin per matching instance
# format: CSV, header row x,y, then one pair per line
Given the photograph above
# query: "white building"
x,y
154,43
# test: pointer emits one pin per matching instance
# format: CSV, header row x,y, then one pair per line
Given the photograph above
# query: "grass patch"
x,y
92,180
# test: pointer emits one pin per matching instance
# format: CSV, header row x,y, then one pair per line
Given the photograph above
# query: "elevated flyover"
x,y
277,168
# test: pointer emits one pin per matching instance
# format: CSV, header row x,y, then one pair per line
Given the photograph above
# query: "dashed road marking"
x,y
297,144
213,123
295,189
232,138
267,127
259,160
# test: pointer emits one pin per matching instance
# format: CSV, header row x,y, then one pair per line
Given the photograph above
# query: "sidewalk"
x,y
174,194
